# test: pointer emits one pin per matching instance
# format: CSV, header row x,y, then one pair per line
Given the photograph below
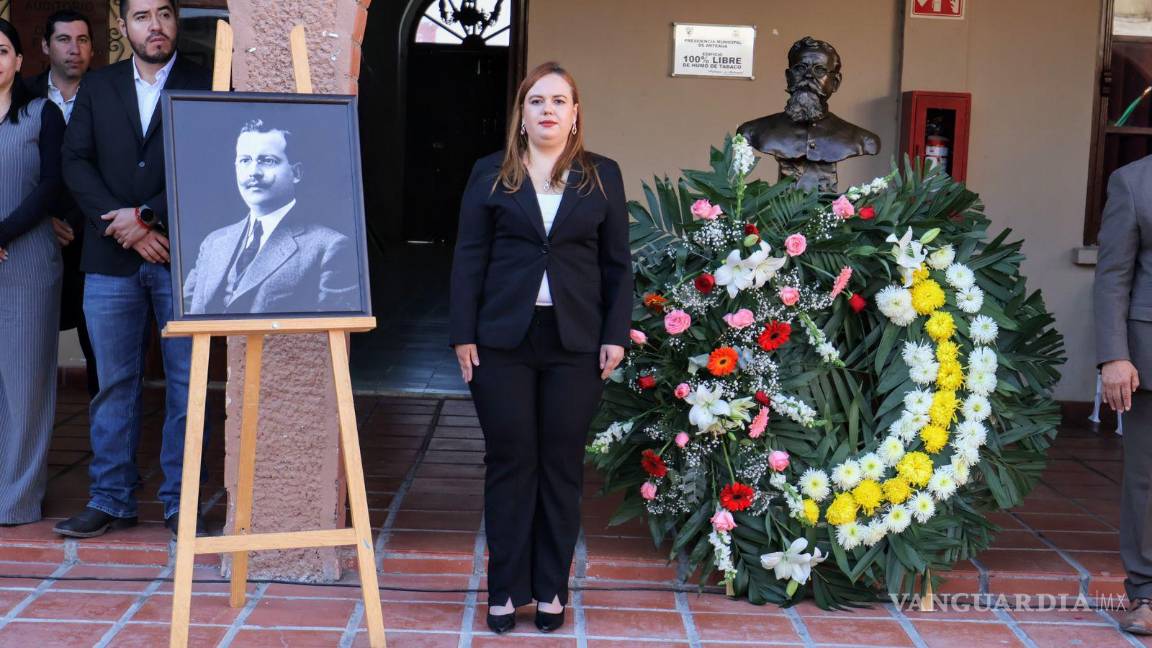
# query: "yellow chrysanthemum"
x,y
916,468
950,376
868,495
897,490
927,296
947,351
940,326
811,512
934,437
943,408
842,510
920,274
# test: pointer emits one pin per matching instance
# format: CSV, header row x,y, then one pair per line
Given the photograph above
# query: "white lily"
x,y
762,266
909,255
740,274
793,564
733,275
706,406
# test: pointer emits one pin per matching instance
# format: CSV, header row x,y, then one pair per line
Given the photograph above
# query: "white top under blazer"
x,y
549,204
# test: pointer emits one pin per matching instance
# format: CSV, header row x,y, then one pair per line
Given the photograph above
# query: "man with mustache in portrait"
x,y
806,139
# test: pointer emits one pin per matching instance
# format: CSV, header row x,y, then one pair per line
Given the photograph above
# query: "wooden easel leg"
x,y
357,497
247,463
189,492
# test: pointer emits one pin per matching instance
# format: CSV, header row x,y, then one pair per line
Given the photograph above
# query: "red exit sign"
x,y
938,8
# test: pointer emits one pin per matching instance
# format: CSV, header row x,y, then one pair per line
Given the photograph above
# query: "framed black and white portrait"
x,y
265,205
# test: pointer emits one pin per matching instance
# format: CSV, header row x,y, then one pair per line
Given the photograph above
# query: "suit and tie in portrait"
x,y
277,258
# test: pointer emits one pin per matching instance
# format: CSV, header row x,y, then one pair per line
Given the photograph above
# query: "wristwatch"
x,y
145,216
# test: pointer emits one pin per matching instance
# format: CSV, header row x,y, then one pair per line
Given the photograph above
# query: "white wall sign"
x,y
713,50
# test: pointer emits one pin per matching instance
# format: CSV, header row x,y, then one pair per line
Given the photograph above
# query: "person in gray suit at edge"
x,y
271,261
1123,305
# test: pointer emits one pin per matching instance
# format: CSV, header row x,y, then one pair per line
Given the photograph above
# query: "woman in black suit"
x,y
541,302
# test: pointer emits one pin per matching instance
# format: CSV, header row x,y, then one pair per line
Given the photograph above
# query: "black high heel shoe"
x,y
547,621
501,623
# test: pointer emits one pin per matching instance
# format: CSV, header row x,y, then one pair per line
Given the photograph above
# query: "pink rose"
x,y
778,460
795,244
843,208
756,428
677,322
841,281
704,210
742,318
682,439
648,490
638,336
682,390
722,521
789,295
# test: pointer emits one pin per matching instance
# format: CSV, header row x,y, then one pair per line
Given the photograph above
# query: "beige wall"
x,y
1029,68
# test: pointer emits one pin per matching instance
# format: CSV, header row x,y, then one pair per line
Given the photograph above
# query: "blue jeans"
x,y
117,310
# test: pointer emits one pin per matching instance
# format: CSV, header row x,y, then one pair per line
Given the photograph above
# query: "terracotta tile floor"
x,y
423,458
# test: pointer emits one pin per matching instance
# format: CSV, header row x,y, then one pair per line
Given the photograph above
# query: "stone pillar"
x,y
298,478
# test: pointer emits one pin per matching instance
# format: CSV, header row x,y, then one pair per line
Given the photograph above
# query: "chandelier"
x,y
470,17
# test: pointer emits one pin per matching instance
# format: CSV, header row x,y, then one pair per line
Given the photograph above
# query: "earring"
x,y
573,128
523,128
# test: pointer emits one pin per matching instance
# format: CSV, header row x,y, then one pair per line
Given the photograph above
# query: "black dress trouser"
x,y
535,404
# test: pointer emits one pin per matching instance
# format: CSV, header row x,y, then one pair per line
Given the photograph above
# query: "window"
x,y
473,23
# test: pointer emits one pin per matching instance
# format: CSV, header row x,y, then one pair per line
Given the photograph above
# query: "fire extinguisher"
x,y
936,151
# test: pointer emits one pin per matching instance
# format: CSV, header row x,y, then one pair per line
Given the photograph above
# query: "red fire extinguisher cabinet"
x,y
943,114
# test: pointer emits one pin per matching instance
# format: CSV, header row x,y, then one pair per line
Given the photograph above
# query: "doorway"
x,y
436,82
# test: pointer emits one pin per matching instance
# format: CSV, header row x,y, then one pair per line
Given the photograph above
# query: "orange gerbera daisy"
x,y
722,361
655,302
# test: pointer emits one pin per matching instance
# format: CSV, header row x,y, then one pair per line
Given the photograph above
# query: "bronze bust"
x,y
806,139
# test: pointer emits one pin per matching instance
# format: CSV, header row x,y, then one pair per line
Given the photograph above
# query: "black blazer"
x,y
110,164
502,252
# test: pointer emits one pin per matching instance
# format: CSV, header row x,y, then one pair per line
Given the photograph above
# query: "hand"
x,y
467,356
3,254
1120,379
127,231
63,232
610,357
153,246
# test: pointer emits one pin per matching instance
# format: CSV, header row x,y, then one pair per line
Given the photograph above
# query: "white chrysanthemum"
x,y
918,401
942,258
983,329
849,535
924,374
980,382
976,408
923,508
898,518
960,276
891,450
972,430
902,428
895,303
970,300
943,484
872,466
918,353
846,475
918,422
961,469
983,359
874,532
814,484
969,451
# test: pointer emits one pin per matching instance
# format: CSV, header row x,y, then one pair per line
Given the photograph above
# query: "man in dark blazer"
x,y
114,167
274,260
1123,305
68,45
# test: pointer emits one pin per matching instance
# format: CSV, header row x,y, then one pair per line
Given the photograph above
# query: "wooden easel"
x,y
243,541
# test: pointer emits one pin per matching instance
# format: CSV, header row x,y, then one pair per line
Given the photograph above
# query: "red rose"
x,y
763,399
646,382
653,464
751,229
705,283
775,335
868,213
736,496
857,303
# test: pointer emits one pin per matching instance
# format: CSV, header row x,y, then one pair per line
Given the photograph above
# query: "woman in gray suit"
x,y
31,133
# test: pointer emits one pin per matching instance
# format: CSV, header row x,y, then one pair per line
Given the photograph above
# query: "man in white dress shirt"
x,y
275,259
